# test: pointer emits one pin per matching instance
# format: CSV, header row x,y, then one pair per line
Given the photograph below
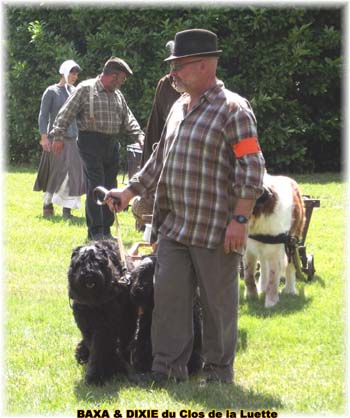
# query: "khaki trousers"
x,y
179,270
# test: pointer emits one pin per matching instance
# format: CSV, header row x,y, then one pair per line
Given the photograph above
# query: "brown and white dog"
x,y
278,215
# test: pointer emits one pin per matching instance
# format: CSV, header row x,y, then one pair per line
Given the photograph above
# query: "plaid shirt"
x,y
195,172
111,112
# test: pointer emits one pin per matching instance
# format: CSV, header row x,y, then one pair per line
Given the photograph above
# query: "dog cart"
x,y
296,250
139,249
134,154
304,263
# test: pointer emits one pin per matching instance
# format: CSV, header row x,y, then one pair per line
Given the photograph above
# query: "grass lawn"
x,y
290,359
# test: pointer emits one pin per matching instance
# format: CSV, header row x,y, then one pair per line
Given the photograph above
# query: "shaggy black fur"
x,y
115,316
142,296
102,310
141,293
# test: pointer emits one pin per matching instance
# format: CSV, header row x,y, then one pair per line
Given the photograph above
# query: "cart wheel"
x,y
241,270
310,267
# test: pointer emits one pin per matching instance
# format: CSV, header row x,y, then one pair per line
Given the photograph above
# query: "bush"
x,y
287,62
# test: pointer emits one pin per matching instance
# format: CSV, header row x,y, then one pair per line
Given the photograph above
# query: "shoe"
x,y
66,213
157,379
48,211
205,381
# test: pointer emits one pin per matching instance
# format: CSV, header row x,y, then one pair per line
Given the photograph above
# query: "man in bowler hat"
x,y
207,170
101,112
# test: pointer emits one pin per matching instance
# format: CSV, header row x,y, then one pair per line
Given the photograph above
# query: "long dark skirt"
x,y
53,170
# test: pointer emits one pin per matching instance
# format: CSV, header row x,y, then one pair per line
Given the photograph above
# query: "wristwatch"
x,y
241,219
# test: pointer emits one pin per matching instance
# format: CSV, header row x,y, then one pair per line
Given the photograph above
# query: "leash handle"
x,y
99,195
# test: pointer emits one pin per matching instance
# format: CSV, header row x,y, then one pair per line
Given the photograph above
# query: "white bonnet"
x,y
66,67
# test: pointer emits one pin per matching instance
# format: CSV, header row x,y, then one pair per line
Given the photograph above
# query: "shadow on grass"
x,y
319,280
94,394
221,396
242,339
287,305
57,219
213,396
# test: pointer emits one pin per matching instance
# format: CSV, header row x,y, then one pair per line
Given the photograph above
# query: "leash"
x,y
120,241
99,194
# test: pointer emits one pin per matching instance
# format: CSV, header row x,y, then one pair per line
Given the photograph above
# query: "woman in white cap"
x,y
61,178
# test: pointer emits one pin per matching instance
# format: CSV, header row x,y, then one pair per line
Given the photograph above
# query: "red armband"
x,y
246,146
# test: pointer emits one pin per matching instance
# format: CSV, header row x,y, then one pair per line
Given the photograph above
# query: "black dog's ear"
x,y
115,258
111,250
75,252
110,246
104,255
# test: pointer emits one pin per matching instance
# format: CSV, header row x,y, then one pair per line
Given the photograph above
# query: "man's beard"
x,y
179,87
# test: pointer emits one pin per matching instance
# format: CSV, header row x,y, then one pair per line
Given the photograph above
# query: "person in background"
x,y
164,97
101,112
207,171
60,177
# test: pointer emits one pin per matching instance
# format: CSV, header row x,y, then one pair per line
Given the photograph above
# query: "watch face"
x,y
241,219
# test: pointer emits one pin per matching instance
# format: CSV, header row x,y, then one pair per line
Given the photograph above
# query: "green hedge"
x,y
286,61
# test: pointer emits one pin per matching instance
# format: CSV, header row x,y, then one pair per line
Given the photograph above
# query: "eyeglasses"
x,y
179,67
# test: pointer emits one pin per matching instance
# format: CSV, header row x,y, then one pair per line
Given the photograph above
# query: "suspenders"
x,y
91,105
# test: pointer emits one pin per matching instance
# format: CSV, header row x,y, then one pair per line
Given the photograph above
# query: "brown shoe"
x,y
66,213
48,211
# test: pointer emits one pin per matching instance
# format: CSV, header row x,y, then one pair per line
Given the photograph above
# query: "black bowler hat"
x,y
118,64
194,42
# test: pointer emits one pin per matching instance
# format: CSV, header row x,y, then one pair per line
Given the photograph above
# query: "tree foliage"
x,y
286,61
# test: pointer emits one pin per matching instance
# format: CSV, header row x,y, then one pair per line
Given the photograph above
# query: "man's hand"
x,y
235,237
237,233
121,201
45,143
141,140
57,146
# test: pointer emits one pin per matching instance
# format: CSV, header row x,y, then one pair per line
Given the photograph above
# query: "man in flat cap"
x,y
101,112
208,171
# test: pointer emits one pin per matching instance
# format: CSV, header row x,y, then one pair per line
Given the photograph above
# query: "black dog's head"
x,y
141,291
95,273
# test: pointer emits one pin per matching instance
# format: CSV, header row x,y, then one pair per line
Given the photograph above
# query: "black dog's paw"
x,y
142,358
95,379
97,376
195,364
82,353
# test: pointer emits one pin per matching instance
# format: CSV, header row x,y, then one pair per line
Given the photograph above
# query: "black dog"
x,y
102,310
141,293
114,314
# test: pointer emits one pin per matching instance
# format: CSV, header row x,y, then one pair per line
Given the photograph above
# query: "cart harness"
x,y
289,241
